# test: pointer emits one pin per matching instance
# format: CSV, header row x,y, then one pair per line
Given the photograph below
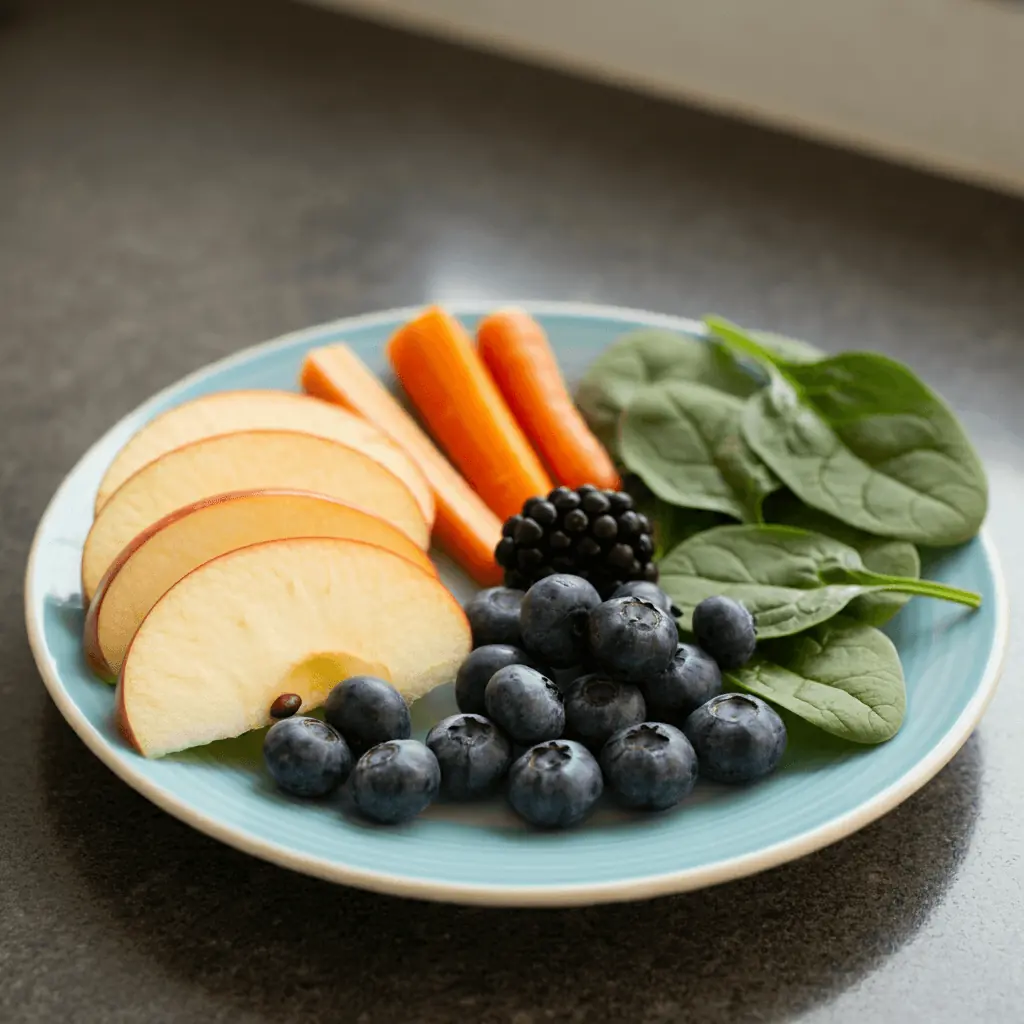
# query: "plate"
x,y
481,854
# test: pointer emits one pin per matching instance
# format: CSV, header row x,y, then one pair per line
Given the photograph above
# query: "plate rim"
x,y
645,887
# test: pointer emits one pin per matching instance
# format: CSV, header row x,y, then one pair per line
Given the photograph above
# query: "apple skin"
x,y
99,549
120,711
421,491
90,635
121,717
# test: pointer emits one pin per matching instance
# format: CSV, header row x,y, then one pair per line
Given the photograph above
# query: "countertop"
x,y
179,180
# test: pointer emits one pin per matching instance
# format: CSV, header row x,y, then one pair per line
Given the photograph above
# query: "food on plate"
x,y
257,554
475,673
394,781
691,679
725,629
367,711
226,412
465,527
183,540
860,437
788,579
440,371
555,784
737,738
473,754
515,349
553,619
645,359
525,704
650,766
649,592
294,616
631,639
286,705
494,616
842,676
248,460
597,706
588,532
306,757
686,441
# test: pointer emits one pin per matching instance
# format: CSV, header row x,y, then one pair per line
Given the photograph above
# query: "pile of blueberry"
x,y
632,709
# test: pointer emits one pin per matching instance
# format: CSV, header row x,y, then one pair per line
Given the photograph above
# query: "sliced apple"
x,y
182,541
225,412
285,616
247,460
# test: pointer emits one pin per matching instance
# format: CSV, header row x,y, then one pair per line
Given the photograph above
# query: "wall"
x,y
938,83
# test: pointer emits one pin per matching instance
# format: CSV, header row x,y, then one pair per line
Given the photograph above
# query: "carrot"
x,y
516,351
465,527
456,396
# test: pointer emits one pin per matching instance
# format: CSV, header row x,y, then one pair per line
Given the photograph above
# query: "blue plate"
x,y
823,792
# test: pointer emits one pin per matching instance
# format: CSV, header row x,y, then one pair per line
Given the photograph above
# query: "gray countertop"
x,y
179,180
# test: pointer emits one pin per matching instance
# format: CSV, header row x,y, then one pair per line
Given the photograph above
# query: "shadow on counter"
x,y
255,937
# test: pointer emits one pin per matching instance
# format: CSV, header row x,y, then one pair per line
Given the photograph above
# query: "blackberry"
x,y
588,532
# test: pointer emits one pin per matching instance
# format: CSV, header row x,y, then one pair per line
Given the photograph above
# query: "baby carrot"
x,y
514,348
455,395
465,527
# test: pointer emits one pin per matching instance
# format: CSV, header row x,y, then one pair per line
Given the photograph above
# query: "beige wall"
x,y
932,82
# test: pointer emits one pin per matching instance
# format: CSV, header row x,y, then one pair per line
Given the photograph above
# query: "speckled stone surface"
x,y
178,180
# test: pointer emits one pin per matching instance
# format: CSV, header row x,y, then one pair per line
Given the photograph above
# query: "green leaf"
x,y
788,579
879,554
671,523
788,350
860,437
843,676
646,357
685,442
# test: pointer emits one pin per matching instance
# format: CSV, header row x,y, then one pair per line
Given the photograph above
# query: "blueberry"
x,y
649,592
494,616
367,711
596,707
649,766
525,704
691,679
555,784
553,619
306,757
473,754
476,671
631,639
725,629
737,737
393,781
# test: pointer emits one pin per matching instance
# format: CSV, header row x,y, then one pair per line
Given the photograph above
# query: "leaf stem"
x,y
927,588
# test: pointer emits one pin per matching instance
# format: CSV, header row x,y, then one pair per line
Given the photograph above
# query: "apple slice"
x,y
284,616
225,412
182,541
247,460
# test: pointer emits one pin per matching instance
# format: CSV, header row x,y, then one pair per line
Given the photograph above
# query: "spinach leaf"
x,y
685,442
788,579
787,350
843,676
646,357
671,524
860,437
879,554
